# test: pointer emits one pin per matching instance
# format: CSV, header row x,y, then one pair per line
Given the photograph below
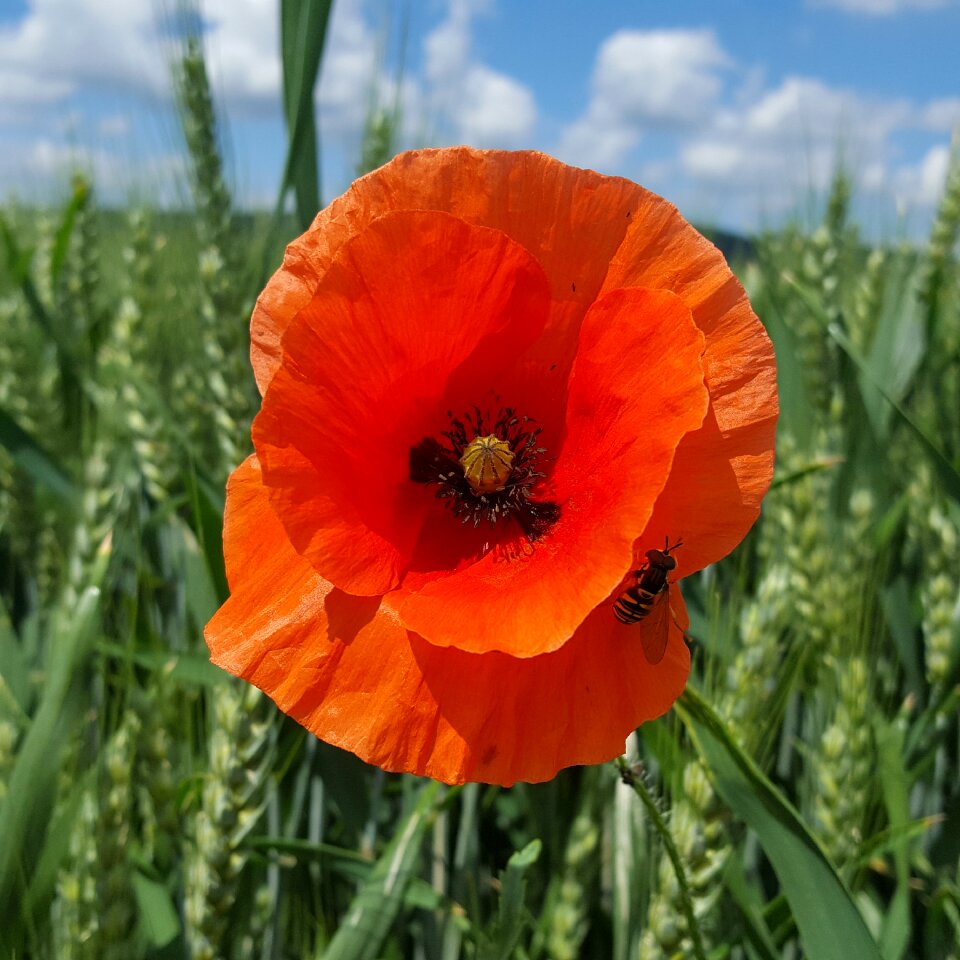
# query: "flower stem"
x,y
632,778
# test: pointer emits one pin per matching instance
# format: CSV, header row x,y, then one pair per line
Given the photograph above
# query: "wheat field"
x,y
803,799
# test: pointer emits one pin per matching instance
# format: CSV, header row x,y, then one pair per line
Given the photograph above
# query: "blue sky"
x,y
736,111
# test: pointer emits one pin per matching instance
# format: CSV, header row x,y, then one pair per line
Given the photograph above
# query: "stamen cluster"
x,y
433,462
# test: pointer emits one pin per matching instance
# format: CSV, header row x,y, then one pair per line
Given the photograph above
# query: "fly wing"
x,y
655,628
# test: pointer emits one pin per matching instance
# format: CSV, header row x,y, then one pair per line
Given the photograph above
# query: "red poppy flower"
x,y
491,383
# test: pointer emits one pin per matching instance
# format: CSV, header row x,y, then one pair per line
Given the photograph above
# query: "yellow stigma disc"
x,y
487,462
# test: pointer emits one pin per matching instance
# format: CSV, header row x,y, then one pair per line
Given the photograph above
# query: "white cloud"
x,y
18,87
596,140
242,45
41,168
783,148
659,79
124,47
942,115
882,8
922,184
792,137
484,107
59,45
733,141
495,110
243,49
350,71
447,47
116,125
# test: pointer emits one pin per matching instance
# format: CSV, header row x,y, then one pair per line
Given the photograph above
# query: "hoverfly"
x,y
650,597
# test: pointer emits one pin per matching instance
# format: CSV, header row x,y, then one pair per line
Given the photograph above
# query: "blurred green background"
x,y
802,800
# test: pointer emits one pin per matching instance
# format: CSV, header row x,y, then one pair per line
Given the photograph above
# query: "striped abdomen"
x,y
649,594
637,601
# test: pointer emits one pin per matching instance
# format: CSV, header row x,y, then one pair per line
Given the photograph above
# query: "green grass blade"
x,y
207,505
815,466
61,241
512,908
159,921
898,347
349,862
189,669
18,263
892,840
796,406
35,461
751,912
56,846
200,591
634,779
944,470
896,606
26,808
362,931
821,905
347,779
896,929
69,368
303,31
16,684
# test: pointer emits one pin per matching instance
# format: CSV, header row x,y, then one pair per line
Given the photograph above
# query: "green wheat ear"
x,y
239,759
198,116
868,299
843,766
940,598
681,917
943,239
129,363
213,387
933,535
566,917
380,137
94,911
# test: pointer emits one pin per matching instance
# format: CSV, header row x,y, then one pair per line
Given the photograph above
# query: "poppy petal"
x,y
590,232
415,306
636,388
456,277
346,669
575,705
721,471
574,220
274,593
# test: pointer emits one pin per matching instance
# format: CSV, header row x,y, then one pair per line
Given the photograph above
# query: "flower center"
x,y
487,469
487,463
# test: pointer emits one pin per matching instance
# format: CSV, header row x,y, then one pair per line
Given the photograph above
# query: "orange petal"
x,y
636,389
344,667
721,471
573,706
417,307
571,220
